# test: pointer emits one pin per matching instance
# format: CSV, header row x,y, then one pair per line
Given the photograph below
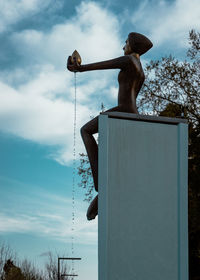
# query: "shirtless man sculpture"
x,y
131,78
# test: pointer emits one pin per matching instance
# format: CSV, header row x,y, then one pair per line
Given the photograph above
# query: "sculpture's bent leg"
x,y
91,146
93,209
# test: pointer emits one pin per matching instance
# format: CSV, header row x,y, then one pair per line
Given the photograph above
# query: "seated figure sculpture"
x,y
131,78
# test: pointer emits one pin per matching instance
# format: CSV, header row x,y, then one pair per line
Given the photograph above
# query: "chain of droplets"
x,y
74,175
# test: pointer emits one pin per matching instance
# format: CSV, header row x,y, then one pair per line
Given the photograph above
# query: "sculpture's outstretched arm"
x,y
116,63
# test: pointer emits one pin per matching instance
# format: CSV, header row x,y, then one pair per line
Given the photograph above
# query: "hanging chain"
x,y
74,175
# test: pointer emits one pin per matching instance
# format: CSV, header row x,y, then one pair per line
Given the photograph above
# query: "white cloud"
x,y
57,227
113,91
39,116
93,31
40,108
48,215
166,21
13,11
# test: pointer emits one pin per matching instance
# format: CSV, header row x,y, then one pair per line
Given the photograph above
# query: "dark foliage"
x,y
169,81
84,171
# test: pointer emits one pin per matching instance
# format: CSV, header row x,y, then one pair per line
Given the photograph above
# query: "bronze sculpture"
x,y
131,78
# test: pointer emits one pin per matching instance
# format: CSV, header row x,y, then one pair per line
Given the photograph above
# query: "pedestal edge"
x,y
144,118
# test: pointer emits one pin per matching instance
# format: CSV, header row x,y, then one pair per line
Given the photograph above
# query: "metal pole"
x,y
58,268
70,258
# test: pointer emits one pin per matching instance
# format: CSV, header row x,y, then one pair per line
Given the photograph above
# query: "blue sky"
x,y
36,108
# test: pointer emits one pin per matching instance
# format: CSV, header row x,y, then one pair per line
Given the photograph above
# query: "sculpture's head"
x,y
137,43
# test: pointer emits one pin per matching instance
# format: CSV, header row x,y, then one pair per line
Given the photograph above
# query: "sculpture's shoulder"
x,y
134,66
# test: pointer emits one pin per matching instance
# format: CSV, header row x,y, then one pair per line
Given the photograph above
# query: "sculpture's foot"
x,y
92,211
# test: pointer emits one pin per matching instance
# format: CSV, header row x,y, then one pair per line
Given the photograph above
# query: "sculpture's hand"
x,y
73,67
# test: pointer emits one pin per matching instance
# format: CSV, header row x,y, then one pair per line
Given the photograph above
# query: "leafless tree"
x,y
51,268
5,253
30,272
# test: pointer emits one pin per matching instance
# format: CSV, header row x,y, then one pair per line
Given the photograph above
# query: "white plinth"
x,y
143,229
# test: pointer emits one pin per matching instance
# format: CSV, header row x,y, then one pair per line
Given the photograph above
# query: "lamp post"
x,y
73,275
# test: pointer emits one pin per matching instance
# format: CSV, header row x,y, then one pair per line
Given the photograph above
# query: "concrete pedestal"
x,y
143,210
